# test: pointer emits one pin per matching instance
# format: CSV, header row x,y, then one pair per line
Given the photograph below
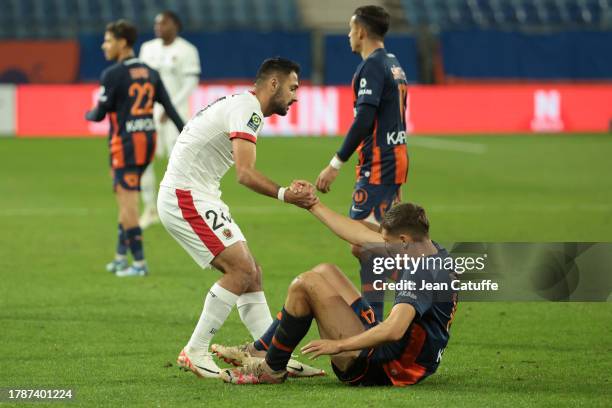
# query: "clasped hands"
x,y
302,194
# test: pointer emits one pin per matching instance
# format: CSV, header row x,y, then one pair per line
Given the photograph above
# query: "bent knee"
x,y
305,279
325,268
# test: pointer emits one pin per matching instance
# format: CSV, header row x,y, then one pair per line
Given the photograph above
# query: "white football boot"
x,y
238,355
202,365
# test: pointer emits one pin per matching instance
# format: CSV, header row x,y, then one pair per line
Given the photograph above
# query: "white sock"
x,y
254,313
148,188
217,306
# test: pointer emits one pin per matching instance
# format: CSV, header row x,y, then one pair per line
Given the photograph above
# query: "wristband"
x,y
281,193
336,163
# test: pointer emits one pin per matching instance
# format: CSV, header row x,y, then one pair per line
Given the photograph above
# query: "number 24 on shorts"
x,y
216,218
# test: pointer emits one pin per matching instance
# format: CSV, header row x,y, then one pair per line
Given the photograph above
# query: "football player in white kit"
x,y
219,136
178,63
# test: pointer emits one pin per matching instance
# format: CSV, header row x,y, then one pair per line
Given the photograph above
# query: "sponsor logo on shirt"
x,y
254,122
139,125
395,138
362,88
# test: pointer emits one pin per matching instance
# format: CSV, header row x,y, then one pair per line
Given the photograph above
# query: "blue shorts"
x,y
128,177
364,371
373,199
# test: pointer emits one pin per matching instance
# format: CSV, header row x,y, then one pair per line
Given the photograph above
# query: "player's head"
x,y
167,25
368,22
405,223
119,38
278,78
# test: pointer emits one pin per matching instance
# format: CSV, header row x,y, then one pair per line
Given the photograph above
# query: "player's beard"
x,y
278,106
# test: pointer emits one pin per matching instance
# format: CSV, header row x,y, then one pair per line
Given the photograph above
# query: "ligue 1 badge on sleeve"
x,y
254,122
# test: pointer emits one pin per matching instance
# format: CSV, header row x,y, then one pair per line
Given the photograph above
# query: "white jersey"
x,y
174,62
203,151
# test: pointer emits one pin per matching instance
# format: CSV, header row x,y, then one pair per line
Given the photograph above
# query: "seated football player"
x,y
402,350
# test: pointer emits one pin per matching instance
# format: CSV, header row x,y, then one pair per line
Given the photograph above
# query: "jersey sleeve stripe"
x,y
243,135
197,223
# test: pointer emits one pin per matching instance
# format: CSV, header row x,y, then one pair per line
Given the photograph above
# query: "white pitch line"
x,y
444,144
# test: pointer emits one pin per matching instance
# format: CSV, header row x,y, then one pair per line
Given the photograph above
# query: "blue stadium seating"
x,y
22,19
508,14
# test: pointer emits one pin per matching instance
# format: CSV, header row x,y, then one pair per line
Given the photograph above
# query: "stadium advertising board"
x,y
58,110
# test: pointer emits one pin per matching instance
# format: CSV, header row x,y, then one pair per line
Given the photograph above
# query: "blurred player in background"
x,y
129,89
178,63
378,132
222,135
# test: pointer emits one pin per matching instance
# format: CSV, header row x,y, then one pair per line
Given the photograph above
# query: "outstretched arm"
x,y
247,175
360,129
349,230
391,329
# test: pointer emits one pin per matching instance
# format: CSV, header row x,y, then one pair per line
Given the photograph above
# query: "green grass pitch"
x,y
65,322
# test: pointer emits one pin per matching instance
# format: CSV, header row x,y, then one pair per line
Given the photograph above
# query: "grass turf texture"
x,y
68,323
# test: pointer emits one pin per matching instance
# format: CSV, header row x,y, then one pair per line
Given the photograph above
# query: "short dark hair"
x,y
407,218
174,17
276,64
123,29
375,19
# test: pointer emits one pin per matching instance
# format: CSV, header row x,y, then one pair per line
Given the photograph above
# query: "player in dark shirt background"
x,y
378,132
129,90
403,350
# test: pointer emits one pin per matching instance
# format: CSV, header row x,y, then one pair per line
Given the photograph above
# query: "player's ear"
x,y
274,83
406,239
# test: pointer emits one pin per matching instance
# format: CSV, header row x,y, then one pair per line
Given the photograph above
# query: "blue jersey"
x,y
417,355
380,81
129,90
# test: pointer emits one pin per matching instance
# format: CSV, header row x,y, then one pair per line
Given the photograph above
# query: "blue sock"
x,y
263,343
134,236
290,331
122,245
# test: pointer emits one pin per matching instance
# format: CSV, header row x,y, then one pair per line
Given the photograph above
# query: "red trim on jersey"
x,y
243,135
405,370
199,226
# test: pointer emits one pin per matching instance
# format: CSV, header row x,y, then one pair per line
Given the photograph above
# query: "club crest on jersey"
x,y
254,122
398,73
227,233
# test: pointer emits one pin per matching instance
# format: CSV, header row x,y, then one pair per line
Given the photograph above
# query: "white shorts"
x,y
201,223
